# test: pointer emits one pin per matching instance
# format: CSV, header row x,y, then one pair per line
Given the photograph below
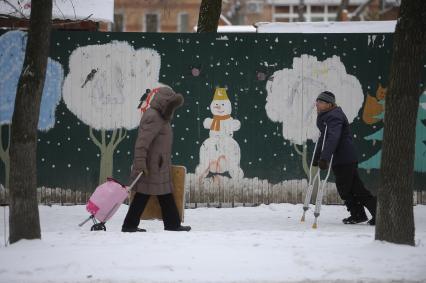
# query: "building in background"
x,y
155,15
182,15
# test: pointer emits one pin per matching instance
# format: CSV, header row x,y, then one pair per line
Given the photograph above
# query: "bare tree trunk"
x,y
208,19
24,218
395,221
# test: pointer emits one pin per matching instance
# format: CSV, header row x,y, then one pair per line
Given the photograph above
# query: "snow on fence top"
x,y
328,27
93,10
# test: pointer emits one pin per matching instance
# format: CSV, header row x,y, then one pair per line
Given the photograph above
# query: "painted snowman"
x,y
220,153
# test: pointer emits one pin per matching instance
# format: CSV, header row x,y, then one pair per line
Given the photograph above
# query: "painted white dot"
x,y
186,129
78,149
87,168
69,165
284,169
118,151
249,162
354,135
369,61
260,159
118,170
265,136
255,106
290,41
379,77
177,115
42,160
53,166
89,138
48,142
182,138
314,50
245,140
292,154
128,153
261,122
197,142
58,144
275,154
177,153
245,118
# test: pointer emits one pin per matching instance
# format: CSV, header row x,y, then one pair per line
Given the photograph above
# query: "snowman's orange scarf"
x,y
216,121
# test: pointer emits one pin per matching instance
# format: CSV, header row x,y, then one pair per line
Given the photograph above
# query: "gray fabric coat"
x,y
153,147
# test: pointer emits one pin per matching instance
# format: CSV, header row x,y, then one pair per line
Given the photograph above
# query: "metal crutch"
x,y
310,188
312,180
320,193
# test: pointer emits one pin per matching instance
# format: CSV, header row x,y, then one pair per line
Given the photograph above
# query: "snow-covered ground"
x,y
258,244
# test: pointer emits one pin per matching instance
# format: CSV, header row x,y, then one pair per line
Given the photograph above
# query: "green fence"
x,y
246,130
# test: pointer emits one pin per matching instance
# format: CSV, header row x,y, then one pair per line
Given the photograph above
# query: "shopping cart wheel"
x,y
98,227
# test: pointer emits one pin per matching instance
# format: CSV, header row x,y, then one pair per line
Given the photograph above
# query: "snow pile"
x,y
258,244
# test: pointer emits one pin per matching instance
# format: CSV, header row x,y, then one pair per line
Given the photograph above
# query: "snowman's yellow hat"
x,y
220,94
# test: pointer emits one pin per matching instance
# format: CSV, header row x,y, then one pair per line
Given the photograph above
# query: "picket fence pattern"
x,y
224,193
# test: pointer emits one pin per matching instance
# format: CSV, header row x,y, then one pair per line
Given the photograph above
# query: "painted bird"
x,y
90,76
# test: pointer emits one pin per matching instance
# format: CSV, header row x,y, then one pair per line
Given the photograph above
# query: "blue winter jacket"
x,y
338,142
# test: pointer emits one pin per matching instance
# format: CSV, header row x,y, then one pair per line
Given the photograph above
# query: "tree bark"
x,y
208,18
24,217
395,221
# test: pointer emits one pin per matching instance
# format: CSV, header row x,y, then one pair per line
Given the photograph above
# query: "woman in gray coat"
x,y
152,156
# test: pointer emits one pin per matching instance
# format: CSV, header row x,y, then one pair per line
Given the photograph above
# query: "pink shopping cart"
x,y
105,201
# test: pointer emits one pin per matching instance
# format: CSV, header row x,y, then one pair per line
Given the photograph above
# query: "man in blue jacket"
x,y
340,145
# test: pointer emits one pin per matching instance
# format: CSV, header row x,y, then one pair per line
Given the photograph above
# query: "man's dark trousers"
x,y
352,190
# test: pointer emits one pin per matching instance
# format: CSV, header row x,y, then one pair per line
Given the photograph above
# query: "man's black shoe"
x,y
181,229
132,230
355,219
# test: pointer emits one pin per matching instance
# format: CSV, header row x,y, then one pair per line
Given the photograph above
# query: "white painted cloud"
x,y
120,75
292,94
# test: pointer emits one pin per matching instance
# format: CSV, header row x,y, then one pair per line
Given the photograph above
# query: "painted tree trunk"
x,y
106,166
395,221
107,149
24,219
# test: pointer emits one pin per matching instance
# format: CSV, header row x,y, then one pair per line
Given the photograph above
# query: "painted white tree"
x,y
12,53
292,94
103,89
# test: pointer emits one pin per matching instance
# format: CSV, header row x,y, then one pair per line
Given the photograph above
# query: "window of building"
x,y
183,22
317,9
118,24
282,9
152,23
